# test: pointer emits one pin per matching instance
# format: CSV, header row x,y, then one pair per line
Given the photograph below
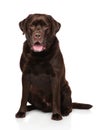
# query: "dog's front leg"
x,y
56,106
25,91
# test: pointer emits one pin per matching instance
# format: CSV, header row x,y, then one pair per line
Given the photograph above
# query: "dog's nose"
x,y
37,35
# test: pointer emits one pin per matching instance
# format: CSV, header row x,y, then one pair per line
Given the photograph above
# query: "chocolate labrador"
x,y
43,69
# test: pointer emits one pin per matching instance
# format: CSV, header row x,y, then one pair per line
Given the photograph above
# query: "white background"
x,y
80,42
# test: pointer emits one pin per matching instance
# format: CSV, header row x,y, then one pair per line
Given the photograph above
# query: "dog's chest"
x,y
41,74
40,68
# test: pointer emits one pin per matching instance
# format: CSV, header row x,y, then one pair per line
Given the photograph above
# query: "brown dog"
x,y
43,70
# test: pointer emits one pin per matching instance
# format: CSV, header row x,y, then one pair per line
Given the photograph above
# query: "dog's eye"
x,y
34,23
42,24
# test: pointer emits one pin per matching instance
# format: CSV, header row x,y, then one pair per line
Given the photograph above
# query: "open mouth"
x,y
38,47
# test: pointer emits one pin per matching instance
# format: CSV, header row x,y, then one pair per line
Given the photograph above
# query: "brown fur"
x,y
43,73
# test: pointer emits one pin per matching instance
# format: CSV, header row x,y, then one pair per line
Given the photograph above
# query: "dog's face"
x,y
39,30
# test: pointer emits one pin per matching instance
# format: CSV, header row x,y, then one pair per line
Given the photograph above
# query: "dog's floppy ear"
x,y
55,26
23,24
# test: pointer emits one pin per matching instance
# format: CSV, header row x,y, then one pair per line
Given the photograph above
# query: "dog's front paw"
x,y
20,114
57,116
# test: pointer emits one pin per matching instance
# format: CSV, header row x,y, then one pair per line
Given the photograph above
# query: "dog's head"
x,y
39,30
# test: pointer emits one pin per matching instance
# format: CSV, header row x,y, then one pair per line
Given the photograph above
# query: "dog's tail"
x,y
81,106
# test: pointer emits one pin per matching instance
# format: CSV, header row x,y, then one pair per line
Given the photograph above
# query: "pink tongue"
x,y
37,48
